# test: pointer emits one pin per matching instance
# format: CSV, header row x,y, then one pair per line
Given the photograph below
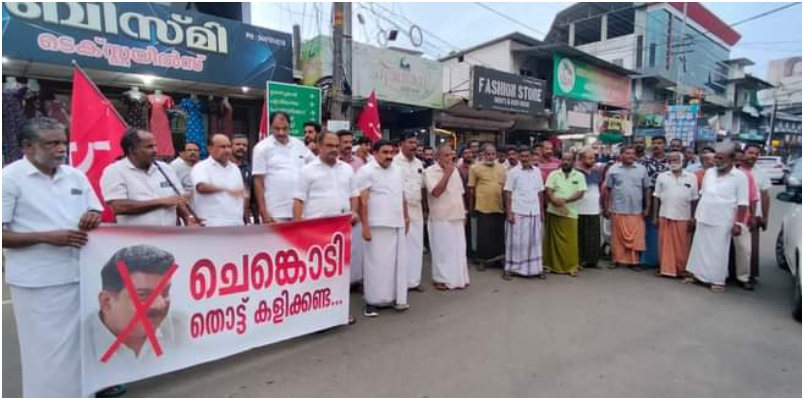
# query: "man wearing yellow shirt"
x,y
486,182
565,186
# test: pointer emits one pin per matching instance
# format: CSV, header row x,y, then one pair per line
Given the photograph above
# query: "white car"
x,y
788,243
773,167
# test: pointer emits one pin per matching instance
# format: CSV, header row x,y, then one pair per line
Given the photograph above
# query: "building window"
x,y
639,51
652,55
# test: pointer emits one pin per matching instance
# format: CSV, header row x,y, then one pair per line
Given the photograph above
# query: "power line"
x,y
765,14
510,19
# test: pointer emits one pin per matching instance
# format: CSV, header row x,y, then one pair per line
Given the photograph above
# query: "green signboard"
x,y
302,103
578,80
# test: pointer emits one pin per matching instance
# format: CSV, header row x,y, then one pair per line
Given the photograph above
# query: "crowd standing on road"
x,y
524,210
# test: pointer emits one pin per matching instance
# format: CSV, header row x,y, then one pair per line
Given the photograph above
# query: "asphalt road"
x,y
607,333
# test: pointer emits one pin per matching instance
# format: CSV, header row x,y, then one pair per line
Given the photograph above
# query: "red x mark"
x,y
142,310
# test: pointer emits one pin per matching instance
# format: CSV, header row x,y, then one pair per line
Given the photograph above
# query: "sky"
x,y
454,26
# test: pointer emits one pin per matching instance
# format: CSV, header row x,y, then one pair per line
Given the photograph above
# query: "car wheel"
x,y
797,296
780,259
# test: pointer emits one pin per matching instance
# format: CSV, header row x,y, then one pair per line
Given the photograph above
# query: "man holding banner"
x,y
41,234
277,160
142,190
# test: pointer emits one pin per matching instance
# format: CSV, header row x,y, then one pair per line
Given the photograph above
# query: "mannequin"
x,y
11,83
193,96
160,124
158,93
33,85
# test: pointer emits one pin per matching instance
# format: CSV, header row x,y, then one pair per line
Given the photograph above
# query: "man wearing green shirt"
x,y
565,187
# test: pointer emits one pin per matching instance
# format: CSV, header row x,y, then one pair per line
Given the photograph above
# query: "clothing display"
x,y
33,104
160,126
225,113
136,113
13,117
195,125
57,110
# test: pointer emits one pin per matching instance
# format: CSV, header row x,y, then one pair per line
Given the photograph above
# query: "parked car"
x,y
788,243
773,167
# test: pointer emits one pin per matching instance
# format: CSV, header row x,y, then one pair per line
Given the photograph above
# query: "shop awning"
x,y
451,121
38,70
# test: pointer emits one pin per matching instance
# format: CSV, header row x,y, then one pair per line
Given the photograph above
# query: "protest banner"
x,y
159,299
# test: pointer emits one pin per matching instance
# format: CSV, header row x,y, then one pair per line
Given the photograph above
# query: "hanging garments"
x,y
160,126
195,131
13,117
225,113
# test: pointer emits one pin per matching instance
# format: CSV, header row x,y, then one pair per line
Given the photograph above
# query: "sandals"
x,y
718,288
440,286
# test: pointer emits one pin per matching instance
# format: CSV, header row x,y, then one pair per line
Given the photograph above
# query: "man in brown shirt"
x,y
486,181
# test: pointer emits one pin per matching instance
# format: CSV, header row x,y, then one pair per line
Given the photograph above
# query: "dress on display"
x,y
195,125
160,126
58,111
136,114
13,117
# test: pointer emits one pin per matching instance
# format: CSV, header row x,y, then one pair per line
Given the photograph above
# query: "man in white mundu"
x,y
524,196
385,222
724,202
446,222
219,190
413,173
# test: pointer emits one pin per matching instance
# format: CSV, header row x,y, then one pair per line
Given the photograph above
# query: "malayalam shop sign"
x,y
578,80
146,38
500,91
302,103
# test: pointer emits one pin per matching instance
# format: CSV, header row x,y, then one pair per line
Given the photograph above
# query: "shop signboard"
x,y
501,91
578,80
681,122
394,76
706,134
302,103
573,115
146,38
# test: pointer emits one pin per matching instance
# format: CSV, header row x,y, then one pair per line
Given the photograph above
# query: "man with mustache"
x,y
141,190
565,186
723,205
48,207
385,223
486,181
676,194
146,266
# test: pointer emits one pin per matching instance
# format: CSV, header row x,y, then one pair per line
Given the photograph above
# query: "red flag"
x,y
95,132
264,122
369,121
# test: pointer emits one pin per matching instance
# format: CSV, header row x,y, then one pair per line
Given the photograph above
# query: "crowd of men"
x,y
523,210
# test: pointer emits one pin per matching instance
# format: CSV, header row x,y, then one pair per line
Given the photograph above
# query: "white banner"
x,y
155,300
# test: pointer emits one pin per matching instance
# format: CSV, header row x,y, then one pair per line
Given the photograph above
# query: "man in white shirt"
x,y
48,207
446,221
184,163
326,186
524,196
141,190
724,202
676,193
385,222
219,190
276,162
413,173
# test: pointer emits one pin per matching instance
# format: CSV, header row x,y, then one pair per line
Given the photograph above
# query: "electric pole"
x,y
680,66
336,92
341,59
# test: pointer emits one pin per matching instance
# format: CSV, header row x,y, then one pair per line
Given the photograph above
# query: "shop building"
x,y
201,72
